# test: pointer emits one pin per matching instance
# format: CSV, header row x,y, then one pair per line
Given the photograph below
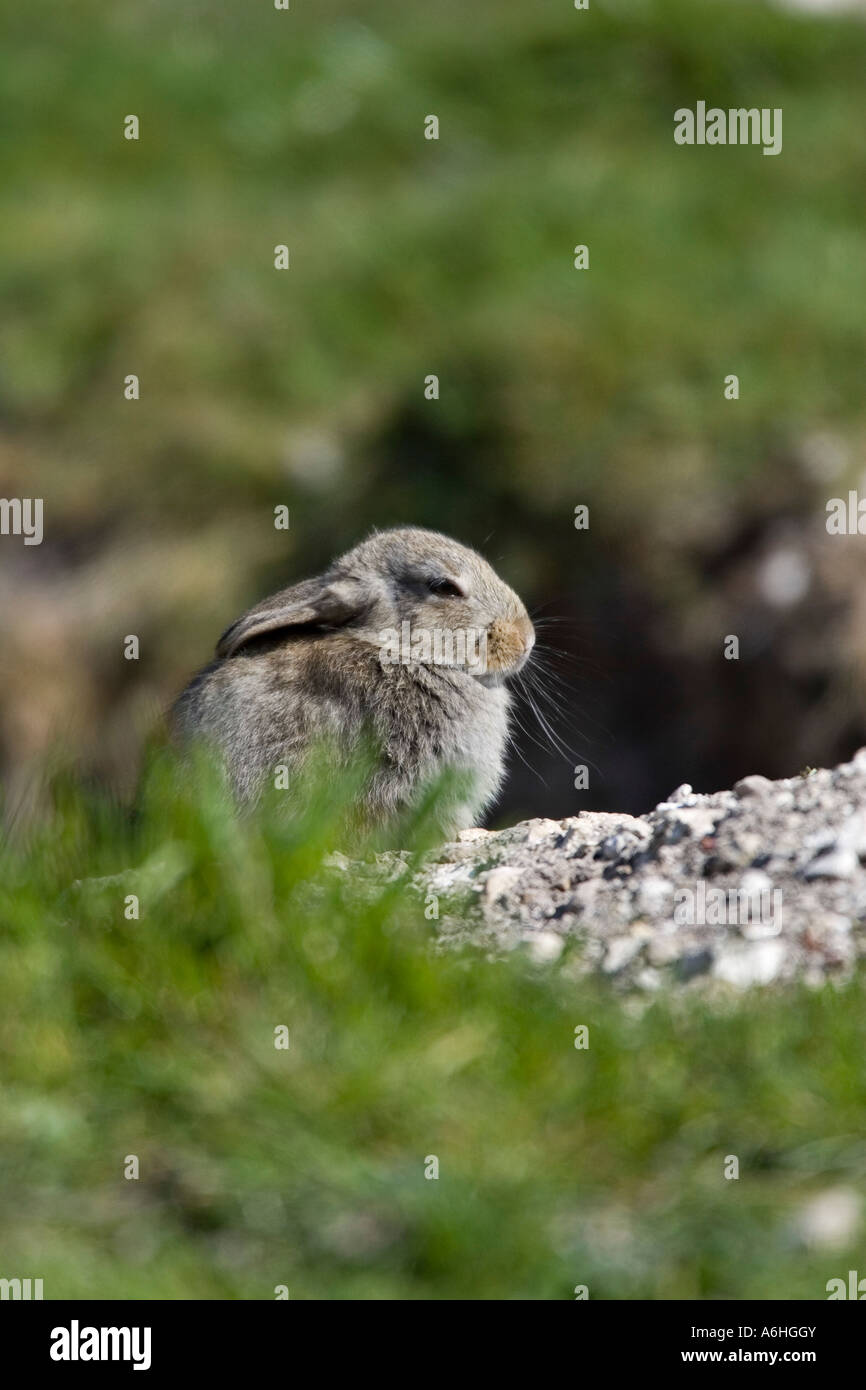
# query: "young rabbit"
x,y
408,638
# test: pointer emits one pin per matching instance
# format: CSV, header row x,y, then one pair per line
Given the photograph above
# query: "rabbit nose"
x,y
510,640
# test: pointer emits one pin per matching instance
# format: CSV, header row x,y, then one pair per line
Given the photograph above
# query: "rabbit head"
x,y
416,595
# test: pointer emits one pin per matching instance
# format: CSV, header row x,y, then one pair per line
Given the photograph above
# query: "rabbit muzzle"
x,y
509,644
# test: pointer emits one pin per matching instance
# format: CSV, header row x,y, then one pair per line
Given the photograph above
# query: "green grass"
x,y
411,256
305,1166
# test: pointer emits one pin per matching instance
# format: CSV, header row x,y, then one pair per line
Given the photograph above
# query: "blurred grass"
x,y
305,1167
411,256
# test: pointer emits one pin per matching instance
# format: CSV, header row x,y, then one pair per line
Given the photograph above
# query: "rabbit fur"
x,y
312,663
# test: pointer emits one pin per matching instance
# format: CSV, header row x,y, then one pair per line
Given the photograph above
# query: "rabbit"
x,y
372,647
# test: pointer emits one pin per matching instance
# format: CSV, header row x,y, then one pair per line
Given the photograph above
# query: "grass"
x,y
305,1167
411,256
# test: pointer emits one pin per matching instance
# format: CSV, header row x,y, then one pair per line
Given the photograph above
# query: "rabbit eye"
x,y
445,588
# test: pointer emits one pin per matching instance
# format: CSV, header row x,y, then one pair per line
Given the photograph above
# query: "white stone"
x,y
831,1220
544,946
542,830
756,964
471,837
839,863
698,820
499,882
620,951
654,895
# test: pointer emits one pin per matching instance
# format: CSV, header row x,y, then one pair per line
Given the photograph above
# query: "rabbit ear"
x,y
331,603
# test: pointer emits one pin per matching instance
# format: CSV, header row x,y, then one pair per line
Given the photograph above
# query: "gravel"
x,y
761,884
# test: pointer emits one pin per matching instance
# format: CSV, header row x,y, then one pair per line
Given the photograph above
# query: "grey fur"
x,y
306,664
